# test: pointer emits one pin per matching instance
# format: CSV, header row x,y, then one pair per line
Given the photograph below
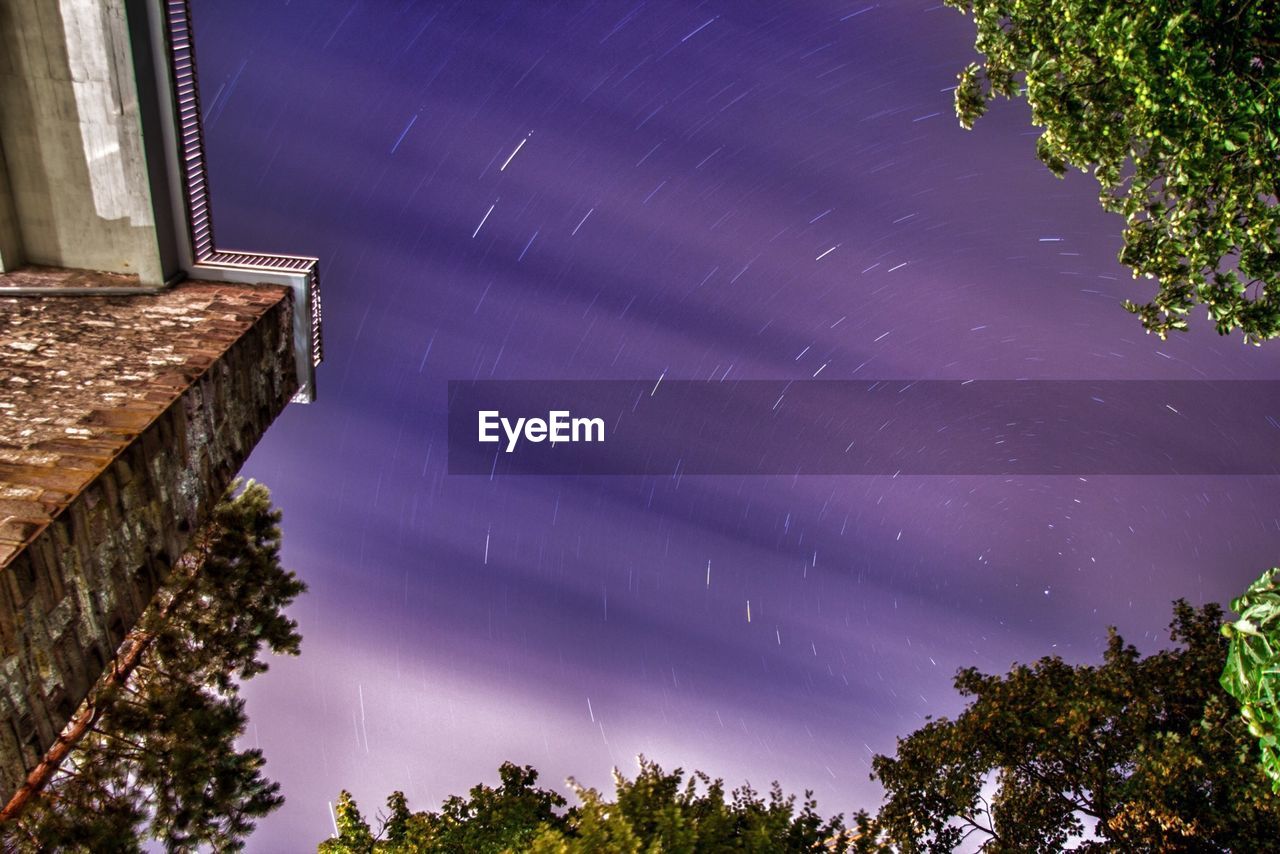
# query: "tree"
x,y
1135,754
1252,674
151,753
657,811
1175,105
489,821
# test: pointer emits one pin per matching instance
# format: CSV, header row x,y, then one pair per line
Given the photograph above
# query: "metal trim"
x,y
300,272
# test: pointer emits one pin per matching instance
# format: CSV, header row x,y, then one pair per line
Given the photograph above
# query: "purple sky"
x,y
680,170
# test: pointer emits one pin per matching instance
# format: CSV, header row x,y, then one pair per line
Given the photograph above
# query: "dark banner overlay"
x,y
814,427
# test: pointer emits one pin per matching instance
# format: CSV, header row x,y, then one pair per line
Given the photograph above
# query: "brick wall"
x,y
122,420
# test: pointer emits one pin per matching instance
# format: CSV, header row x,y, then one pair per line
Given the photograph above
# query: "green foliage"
x,y
488,821
1149,751
1137,754
353,831
655,812
665,812
161,762
1252,674
1175,105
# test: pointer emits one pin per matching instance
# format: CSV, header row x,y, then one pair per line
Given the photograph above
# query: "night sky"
x,y
539,190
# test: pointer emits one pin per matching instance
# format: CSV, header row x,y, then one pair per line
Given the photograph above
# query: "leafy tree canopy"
x,y
488,821
1252,674
1135,754
655,812
1175,106
154,753
1140,754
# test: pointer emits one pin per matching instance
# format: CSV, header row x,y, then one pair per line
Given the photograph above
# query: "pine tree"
x,y
151,754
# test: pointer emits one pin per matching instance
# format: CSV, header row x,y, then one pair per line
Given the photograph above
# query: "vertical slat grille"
x,y
195,185
187,98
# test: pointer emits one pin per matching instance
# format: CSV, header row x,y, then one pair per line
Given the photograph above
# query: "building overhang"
x,y
123,418
140,362
162,35
87,77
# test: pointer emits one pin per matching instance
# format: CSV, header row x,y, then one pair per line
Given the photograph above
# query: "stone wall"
x,y
122,420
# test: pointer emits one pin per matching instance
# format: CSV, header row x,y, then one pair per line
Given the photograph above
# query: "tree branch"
x,y
84,720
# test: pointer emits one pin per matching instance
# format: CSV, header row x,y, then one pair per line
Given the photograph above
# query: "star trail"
x,y
663,191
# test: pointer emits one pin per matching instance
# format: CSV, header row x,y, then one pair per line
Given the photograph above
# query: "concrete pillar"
x,y
71,137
